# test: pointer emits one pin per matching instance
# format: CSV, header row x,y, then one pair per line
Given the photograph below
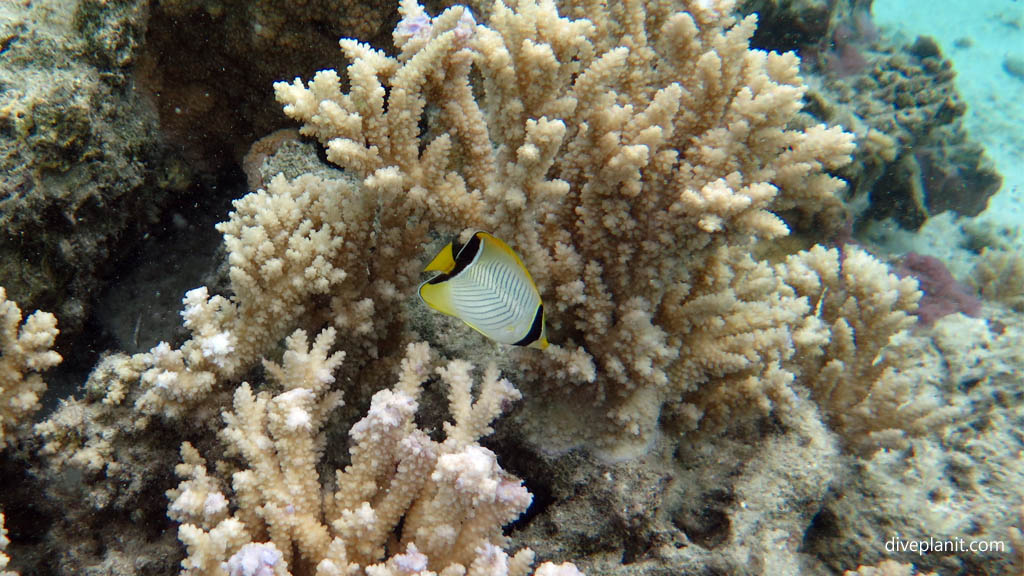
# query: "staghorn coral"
x,y
287,246
296,256
25,352
835,323
737,324
617,153
96,436
450,498
848,354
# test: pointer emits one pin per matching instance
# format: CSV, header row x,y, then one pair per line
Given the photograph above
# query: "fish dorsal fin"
x,y
498,244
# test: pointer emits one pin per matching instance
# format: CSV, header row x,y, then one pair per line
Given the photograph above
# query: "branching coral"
x,y
846,353
999,275
444,501
736,325
617,153
290,247
25,352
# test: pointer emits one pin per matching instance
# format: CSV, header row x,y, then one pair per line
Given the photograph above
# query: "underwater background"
x,y
784,297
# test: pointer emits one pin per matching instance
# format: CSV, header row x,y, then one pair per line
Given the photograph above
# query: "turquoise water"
x,y
984,40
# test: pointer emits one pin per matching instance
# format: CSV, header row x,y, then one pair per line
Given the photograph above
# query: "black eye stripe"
x,y
456,245
464,257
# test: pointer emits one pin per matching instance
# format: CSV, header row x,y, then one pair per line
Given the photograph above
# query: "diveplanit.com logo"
x,y
923,546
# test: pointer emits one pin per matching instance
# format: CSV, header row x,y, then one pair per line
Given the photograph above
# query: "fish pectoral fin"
x,y
499,245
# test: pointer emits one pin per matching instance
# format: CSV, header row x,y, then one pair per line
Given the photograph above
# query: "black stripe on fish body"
x,y
463,257
534,334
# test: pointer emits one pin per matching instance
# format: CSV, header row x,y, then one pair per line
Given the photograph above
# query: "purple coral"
x,y
257,559
845,56
414,26
942,293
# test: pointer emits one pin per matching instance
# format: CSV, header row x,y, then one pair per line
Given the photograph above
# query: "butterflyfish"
x,y
485,284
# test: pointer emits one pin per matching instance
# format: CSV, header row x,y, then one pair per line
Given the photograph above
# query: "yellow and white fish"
x,y
485,284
